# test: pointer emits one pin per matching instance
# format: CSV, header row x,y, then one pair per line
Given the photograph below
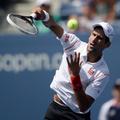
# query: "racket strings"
x,y
25,24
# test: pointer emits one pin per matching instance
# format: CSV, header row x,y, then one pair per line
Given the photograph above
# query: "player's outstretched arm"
x,y
48,21
69,41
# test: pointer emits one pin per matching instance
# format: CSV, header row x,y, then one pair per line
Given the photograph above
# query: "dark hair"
x,y
117,84
107,40
116,87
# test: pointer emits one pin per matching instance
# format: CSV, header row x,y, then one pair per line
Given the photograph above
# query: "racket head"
x,y
23,23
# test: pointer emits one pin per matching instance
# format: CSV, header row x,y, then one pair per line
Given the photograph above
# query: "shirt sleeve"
x,y
96,87
70,42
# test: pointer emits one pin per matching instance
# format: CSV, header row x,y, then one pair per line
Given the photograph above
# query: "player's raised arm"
x,y
69,41
48,21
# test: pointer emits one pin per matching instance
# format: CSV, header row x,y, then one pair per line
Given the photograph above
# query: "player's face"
x,y
96,41
116,94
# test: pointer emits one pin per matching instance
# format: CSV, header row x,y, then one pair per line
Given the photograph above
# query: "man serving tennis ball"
x,y
79,81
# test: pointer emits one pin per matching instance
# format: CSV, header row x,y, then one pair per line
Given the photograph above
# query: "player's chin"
x,y
90,49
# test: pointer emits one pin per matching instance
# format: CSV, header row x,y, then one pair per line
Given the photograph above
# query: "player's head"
x,y
100,37
116,90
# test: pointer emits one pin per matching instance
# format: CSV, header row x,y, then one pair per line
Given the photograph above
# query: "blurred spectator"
x,y
89,12
105,9
70,8
111,109
83,11
88,17
117,9
47,6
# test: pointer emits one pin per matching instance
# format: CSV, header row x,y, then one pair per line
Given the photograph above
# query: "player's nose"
x,y
94,39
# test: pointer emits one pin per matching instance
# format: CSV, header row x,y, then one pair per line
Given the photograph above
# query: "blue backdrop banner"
x,y
27,66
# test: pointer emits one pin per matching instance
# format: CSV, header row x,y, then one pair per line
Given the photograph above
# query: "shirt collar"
x,y
84,59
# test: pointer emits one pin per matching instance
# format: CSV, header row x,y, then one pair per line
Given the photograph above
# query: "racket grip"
x,y
47,16
33,15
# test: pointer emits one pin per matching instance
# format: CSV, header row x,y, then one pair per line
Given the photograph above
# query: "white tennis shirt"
x,y
94,76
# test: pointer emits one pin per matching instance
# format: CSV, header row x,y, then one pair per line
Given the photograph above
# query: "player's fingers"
x,y
78,57
37,10
68,61
71,58
39,13
34,10
75,57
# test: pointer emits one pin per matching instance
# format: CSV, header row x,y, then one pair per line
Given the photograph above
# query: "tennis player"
x,y
83,73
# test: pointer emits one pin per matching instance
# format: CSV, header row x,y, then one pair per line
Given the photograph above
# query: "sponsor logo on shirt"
x,y
66,37
91,71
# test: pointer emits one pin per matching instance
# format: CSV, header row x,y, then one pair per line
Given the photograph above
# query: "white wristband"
x,y
33,15
47,16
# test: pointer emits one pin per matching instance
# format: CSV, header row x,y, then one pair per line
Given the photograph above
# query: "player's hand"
x,y
74,64
39,13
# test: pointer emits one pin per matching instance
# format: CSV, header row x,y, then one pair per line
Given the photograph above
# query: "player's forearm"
x,y
70,42
56,28
48,21
83,100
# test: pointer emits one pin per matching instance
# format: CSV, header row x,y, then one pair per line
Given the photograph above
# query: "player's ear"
x,y
107,45
107,42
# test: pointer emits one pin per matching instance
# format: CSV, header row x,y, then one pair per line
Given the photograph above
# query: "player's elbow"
x,y
83,109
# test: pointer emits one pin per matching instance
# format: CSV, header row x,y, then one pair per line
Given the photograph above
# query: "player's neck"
x,y
117,102
93,57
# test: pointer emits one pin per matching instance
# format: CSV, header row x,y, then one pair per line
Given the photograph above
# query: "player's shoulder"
x,y
102,66
68,35
108,104
102,71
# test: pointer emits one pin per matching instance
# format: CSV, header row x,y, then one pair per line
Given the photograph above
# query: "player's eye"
x,y
93,34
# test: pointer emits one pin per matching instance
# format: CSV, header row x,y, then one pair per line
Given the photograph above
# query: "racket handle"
x,y
47,16
33,15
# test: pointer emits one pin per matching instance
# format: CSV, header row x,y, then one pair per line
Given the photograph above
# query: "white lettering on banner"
x,y
30,62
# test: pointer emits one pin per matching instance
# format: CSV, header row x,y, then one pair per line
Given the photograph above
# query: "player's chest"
x,y
87,74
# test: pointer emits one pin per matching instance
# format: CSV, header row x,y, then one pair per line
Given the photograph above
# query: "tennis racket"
x,y
23,23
